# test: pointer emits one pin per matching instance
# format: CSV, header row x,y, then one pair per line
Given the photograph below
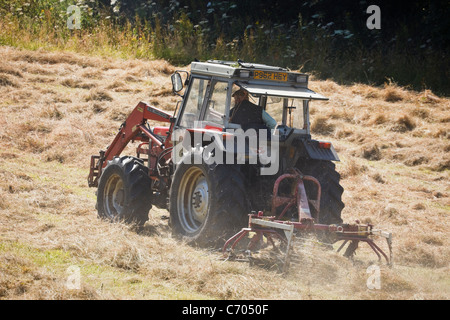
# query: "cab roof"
x,y
251,71
259,79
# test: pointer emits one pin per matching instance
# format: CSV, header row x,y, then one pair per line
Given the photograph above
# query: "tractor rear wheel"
x,y
331,204
207,203
124,191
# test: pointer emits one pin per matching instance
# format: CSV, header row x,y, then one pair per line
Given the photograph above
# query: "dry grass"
x,y
4,68
7,81
75,83
393,93
66,107
371,152
321,125
404,123
98,95
352,168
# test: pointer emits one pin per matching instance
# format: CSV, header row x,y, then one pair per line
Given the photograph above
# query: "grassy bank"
x,y
179,37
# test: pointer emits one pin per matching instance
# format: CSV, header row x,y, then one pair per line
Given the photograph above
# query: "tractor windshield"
x,y
288,105
284,111
287,111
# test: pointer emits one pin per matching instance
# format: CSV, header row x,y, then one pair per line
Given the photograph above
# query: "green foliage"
x,y
317,36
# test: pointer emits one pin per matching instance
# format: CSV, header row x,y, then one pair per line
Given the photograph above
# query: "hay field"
x,y
58,108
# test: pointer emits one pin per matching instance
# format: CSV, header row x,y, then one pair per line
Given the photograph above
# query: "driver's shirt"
x,y
247,114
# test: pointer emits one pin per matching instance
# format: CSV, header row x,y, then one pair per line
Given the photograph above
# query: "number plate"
x,y
271,76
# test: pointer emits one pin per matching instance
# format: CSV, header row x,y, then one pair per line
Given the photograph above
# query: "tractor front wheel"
x,y
124,191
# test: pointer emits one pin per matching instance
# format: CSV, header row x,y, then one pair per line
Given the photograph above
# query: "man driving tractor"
x,y
249,115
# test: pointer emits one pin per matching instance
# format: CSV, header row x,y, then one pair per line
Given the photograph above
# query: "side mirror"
x,y
177,82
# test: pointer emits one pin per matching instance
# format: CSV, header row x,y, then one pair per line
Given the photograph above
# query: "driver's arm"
x,y
268,120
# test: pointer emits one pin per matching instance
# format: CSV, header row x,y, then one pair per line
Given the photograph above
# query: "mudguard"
x,y
317,150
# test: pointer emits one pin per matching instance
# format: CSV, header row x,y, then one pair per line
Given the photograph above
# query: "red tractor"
x,y
211,171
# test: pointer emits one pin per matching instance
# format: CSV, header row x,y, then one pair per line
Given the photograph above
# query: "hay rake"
x,y
287,232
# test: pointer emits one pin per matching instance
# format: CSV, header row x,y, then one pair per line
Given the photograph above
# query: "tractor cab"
x,y
208,97
279,94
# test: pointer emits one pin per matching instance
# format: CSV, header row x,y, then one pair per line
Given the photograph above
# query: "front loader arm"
x,y
130,130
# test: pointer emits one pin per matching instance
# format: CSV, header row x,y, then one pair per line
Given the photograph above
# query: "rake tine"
x,y
342,245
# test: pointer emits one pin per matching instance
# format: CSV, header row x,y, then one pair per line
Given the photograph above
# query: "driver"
x,y
248,114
